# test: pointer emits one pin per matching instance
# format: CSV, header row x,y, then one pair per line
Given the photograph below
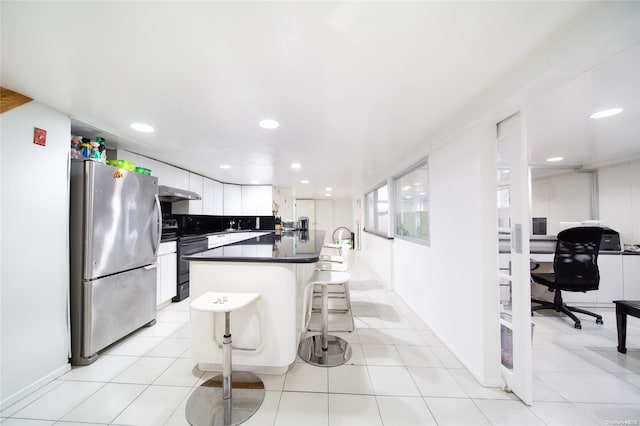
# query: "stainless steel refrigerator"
x,y
115,229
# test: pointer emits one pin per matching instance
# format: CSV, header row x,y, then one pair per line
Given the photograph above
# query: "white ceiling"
x,y
356,86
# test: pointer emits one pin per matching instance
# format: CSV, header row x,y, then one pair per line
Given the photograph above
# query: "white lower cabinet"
x,y
631,270
611,279
167,272
218,240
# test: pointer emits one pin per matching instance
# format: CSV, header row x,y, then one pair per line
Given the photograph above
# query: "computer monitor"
x,y
539,226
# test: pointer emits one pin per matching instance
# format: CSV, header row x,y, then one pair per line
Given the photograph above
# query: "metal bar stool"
x,y
229,398
325,350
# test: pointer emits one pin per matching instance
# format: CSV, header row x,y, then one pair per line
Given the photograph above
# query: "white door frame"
x,y
518,378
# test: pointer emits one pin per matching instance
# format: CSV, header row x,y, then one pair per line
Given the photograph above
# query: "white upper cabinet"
x,y
218,191
212,197
232,200
257,200
195,183
164,172
181,179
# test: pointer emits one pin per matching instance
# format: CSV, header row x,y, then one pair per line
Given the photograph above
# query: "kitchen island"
x,y
266,334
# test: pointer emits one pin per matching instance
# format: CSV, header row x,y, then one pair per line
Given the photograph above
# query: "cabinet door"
x,y
180,178
164,172
196,183
167,277
257,200
208,197
631,269
264,200
249,200
218,198
611,288
232,200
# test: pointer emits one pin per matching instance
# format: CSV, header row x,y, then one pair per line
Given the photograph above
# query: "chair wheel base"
x,y
599,321
578,326
205,406
338,351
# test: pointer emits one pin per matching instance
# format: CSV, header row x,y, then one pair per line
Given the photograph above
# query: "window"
x,y
377,210
412,203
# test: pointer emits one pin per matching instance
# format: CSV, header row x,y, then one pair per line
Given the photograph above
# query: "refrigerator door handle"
x,y
150,267
155,252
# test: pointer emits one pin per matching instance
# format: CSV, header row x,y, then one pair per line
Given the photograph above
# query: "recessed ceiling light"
x,y
328,188
304,181
606,113
406,188
269,124
254,182
327,195
295,165
225,166
554,159
141,127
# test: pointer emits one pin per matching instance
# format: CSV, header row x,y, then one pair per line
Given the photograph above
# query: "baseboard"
x,y
12,399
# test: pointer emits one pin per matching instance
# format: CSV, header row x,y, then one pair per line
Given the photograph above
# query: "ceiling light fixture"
x,y
295,165
269,124
327,195
606,113
406,188
225,166
328,188
304,181
554,159
141,127
254,182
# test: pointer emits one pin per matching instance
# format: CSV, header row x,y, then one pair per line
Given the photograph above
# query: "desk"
x,y
624,308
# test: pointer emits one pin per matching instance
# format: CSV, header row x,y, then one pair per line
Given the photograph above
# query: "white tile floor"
x,y
400,374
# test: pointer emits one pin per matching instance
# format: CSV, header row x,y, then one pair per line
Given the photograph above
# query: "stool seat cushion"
x,y
329,277
223,302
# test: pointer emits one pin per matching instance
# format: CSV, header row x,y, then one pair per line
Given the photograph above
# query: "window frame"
x,y
374,191
397,200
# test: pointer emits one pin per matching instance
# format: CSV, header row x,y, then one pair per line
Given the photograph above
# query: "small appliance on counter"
x,y
288,225
303,223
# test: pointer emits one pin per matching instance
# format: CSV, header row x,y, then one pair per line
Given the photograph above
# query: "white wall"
x,y
452,283
343,213
35,256
619,199
566,198
561,198
378,253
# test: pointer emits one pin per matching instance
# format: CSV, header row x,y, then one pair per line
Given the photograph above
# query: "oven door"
x,y
186,248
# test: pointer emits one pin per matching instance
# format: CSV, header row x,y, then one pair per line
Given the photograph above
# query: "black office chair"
x,y
575,267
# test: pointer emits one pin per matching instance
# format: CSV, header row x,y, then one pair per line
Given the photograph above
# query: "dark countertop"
x,y
174,237
274,247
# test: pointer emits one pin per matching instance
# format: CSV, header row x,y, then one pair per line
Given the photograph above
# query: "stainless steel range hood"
x,y
170,194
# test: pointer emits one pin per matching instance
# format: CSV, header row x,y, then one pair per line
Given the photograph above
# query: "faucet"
x,y
231,223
